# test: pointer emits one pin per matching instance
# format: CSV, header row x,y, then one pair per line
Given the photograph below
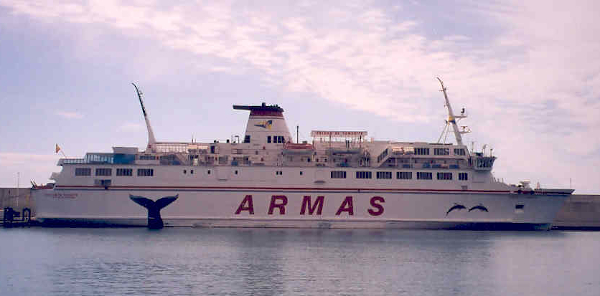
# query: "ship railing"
x,y
71,161
176,147
403,150
90,158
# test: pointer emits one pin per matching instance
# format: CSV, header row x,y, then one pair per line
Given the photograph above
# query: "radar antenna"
x,y
453,119
151,139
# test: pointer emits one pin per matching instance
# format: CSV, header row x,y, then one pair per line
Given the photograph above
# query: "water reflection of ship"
x,y
261,261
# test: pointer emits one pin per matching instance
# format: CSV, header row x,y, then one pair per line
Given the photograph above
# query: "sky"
x,y
527,72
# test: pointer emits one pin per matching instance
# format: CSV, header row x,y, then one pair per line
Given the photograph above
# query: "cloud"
x,y
69,115
531,84
24,158
29,166
130,127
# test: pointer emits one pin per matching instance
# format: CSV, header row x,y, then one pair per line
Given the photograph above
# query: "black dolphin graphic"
x,y
154,207
455,207
479,207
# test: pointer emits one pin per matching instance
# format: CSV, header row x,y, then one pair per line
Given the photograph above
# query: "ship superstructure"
x,y
341,179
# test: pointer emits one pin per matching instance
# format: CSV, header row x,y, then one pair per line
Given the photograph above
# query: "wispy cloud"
x,y
534,81
130,127
69,114
23,158
29,166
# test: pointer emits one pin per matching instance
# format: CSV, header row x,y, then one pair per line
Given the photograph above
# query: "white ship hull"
x,y
264,207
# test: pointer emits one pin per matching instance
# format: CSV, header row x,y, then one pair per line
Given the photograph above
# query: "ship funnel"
x,y
151,139
266,125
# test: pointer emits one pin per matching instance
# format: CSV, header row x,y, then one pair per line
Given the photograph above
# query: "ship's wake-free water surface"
x,y
187,261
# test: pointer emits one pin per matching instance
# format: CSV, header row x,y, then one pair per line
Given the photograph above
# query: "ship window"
x,y
145,172
236,172
363,175
83,172
192,172
463,176
421,151
124,172
485,162
300,173
338,175
103,172
147,157
404,175
247,139
424,176
208,172
104,183
268,139
384,175
519,208
184,171
459,151
444,176
441,151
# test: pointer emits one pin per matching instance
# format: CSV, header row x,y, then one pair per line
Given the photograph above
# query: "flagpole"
x,y
58,149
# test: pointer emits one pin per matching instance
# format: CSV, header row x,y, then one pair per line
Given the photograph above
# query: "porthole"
x,y
519,208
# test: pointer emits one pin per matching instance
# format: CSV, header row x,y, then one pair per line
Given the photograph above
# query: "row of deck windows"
x,y
400,175
276,139
108,172
440,151
334,174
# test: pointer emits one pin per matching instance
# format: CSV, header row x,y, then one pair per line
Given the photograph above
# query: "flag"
x,y
57,148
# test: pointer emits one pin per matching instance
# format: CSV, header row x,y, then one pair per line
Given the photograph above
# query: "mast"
x,y
151,139
451,117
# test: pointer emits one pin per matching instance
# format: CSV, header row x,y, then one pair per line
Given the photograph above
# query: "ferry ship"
x,y
341,179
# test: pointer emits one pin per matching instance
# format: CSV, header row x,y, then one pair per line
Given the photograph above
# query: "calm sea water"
x,y
188,261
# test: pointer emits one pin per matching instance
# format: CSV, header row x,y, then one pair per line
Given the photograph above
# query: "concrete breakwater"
x,y
580,211
17,199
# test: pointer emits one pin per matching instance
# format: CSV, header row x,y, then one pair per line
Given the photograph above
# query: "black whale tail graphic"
x,y
455,207
154,207
479,207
